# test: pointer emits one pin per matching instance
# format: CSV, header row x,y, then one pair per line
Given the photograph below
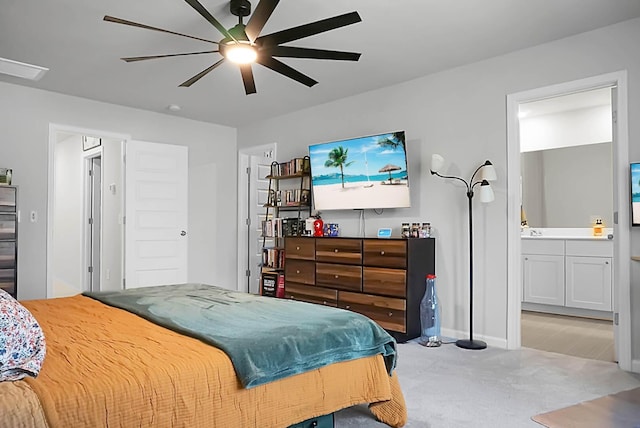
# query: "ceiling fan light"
x,y
240,53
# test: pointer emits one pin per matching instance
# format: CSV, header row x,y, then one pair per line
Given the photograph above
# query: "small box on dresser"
x,y
380,278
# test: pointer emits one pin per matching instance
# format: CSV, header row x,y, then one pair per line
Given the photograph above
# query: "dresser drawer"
x,y
302,271
300,248
332,250
7,255
343,277
8,199
7,226
7,280
390,313
311,294
391,282
378,252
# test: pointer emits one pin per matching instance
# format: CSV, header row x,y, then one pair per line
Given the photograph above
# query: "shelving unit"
x,y
9,240
288,206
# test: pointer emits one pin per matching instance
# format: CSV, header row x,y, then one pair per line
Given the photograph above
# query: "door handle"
x,y
183,233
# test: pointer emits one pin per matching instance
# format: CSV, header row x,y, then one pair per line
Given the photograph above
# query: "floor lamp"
x,y
487,173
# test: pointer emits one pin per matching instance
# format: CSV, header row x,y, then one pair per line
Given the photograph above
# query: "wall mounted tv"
x,y
360,173
635,194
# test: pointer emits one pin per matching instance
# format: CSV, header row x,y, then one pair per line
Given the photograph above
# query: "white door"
x,y
156,214
254,166
95,222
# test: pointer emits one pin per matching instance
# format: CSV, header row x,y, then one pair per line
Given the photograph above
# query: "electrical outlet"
x,y
33,216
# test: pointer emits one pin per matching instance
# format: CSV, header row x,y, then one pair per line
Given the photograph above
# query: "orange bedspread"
x,y
107,367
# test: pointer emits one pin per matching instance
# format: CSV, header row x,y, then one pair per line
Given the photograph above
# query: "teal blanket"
x,y
265,338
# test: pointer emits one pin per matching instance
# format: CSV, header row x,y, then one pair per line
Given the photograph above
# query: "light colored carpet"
x,y
449,387
580,337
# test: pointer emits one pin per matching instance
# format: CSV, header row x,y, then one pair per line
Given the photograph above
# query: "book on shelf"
x,y
293,167
269,284
280,286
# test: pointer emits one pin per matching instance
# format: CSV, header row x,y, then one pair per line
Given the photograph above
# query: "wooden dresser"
x,y
383,279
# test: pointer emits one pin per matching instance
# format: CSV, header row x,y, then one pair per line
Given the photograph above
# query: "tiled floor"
x,y
580,337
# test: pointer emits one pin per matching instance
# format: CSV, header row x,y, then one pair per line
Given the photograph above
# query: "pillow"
x,y
22,343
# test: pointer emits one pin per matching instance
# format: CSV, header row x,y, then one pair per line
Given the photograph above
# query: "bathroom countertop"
x,y
566,233
567,237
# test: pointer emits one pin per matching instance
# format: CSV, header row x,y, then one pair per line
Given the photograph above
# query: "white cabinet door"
x,y
589,282
543,279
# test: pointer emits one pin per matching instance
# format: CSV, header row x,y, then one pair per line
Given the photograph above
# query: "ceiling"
x,y
399,40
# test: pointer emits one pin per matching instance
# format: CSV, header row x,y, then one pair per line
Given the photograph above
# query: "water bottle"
x,y
430,314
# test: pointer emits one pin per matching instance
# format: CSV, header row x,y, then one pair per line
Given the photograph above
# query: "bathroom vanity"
x,y
567,271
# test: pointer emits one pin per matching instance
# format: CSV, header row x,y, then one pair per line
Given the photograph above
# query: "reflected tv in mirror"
x,y
360,173
635,194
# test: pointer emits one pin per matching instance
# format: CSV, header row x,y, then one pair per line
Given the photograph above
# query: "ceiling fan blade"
x,y
200,75
142,58
296,52
307,30
148,27
247,78
259,17
284,69
205,13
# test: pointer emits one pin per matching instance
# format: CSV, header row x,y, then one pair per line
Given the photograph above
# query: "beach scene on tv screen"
x,y
359,173
635,193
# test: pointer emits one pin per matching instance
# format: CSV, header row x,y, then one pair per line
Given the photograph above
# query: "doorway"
x,y
621,287
93,221
83,256
254,165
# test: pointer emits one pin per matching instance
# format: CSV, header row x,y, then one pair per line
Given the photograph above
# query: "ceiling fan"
x,y
244,45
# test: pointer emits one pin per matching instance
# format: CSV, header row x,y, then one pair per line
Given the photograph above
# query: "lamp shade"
x,y
436,162
486,192
488,172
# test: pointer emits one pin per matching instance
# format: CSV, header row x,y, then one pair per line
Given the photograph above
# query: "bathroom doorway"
x,y
615,84
566,186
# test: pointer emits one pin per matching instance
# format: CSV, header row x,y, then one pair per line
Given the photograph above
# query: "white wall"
x,y
112,211
571,128
25,117
67,218
461,114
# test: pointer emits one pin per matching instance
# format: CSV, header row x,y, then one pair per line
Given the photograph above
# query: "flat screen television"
x,y
360,173
635,193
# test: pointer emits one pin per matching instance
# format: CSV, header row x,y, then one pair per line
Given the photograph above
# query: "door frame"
x,y
244,162
622,289
54,129
87,237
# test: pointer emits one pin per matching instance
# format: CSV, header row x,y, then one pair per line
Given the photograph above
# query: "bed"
x,y
112,366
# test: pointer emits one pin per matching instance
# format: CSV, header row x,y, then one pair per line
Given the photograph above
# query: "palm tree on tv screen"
x,y
394,141
338,159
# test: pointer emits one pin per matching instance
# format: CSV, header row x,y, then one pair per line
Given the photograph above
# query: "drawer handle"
x,y
382,253
335,250
348,307
324,302
297,248
390,314
337,276
297,271
606,263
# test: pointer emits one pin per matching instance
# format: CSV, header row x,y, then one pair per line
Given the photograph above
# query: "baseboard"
x,y
495,342
635,366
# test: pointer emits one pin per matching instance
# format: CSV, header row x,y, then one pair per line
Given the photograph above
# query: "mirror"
x,y
568,187
567,160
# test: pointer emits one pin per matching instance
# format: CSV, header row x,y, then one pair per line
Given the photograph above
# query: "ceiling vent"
x,y
20,69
